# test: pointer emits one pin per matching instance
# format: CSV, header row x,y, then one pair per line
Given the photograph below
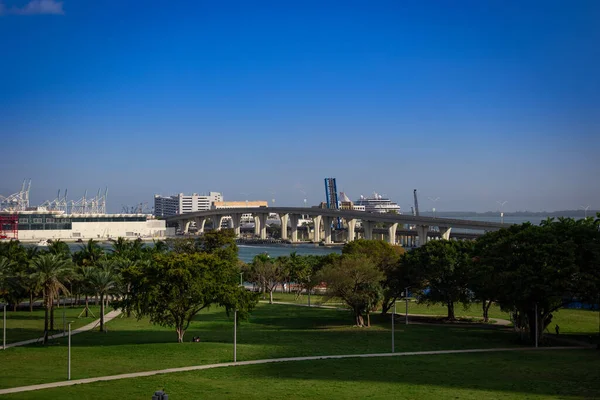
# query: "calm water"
x,y
247,252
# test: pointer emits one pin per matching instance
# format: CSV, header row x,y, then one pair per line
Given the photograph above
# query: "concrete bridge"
x,y
324,220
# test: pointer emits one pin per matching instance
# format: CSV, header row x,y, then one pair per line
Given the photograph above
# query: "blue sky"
x,y
469,101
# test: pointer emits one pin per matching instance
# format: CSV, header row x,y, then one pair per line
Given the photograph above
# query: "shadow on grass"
x,y
554,373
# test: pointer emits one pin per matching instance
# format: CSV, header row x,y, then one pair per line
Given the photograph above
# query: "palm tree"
x,y
88,256
59,248
6,267
103,280
51,273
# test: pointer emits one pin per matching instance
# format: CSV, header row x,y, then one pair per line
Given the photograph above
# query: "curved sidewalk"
x,y
266,361
107,317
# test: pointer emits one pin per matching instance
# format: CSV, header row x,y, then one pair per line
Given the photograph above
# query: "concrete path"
x,y
499,321
107,317
272,360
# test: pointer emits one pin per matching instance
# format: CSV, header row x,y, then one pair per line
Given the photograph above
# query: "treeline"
x,y
525,269
530,271
170,282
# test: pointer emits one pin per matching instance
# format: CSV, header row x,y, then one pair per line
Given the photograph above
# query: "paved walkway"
x,y
499,321
85,328
254,362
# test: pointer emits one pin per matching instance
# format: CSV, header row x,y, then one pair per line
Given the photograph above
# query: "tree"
x,y
173,288
59,248
386,257
542,268
445,266
265,272
88,256
356,280
102,280
51,273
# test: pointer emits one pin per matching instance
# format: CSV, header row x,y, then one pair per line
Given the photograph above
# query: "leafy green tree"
x,y
266,273
387,258
175,287
357,281
446,268
542,268
51,271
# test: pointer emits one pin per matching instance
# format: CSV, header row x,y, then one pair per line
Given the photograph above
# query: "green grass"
x,y
576,321
25,325
570,321
570,374
273,331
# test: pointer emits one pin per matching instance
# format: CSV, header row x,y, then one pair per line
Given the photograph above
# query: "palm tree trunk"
x,y
52,314
46,320
101,312
86,305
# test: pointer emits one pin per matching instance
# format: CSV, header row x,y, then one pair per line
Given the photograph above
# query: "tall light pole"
x,y
393,317
4,328
406,298
69,356
434,200
502,203
235,335
584,210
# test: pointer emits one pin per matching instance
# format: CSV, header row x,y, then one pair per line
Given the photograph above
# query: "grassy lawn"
x,y
565,374
570,321
273,331
24,325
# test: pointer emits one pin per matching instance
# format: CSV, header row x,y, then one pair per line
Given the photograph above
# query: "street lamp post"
x,y
4,328
393,317
536,325
406,299
235,335
69,356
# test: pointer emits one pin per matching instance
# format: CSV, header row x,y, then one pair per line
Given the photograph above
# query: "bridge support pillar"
x,y
445,232
351,229
392,233
200,225
284,225
263,225
422,234
184,226
327,221
317,228
256,225
236,220
368,229
294,226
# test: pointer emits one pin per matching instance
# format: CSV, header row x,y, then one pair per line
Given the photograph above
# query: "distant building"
x,y
246,218
39,224
347,204
182,204
217,205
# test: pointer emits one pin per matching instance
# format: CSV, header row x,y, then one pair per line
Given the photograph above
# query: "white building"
x,y
377,204
42,224
182,204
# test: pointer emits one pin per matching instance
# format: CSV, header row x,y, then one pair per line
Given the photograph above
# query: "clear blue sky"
x,y
469,101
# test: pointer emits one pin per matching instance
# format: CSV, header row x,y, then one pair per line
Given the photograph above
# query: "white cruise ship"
x,y
377,204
